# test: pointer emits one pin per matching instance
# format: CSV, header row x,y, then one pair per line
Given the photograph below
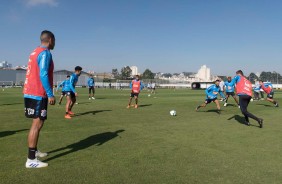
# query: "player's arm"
x,y
207,91
130,85
61,84
72,84
88,82
44,62
222,94
141,85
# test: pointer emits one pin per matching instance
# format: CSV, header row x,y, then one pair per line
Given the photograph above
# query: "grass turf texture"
x,y
107,143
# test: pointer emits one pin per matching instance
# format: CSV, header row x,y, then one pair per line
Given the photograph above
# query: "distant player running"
x,y
136,86
212,93
91,87
229,88
72,94
268,89
65,85
245,92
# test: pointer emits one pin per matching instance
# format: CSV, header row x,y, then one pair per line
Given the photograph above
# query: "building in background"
x,y
5,65
134,70
204,74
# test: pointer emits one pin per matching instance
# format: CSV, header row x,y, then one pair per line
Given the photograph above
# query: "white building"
x,y
5,64
134,70
204,74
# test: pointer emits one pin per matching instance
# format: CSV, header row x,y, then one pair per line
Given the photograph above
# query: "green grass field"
x,y
107,143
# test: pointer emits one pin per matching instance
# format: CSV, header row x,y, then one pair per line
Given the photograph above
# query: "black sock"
x,y
66,112
31,153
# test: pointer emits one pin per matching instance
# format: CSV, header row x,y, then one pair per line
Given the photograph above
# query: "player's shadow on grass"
x,y
266,105
90,112
239,119
145,105
84,102
10,132
97,139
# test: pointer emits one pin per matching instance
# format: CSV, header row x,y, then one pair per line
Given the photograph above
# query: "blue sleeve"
x,y
221,94
72,84
61,84
44,61
130,85
236,79
141,85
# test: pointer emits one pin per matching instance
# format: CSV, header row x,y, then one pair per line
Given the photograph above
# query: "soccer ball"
x,y
149,95
172,113
252,100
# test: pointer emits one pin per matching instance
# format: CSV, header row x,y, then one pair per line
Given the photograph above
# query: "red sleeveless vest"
x,y
266,89
136,86
33,85
244,86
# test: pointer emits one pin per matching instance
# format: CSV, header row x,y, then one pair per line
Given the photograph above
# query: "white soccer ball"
x,y
252,100
149,95
173,112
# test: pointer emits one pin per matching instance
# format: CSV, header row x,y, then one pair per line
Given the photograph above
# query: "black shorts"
x,y
91,88
70,94
36,108
134,94
210,100
270,95
63,93
230,93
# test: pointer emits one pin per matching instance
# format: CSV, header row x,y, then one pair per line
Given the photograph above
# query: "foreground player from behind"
x,y
72,94
136,86
268,89
65,85
38,93
245,92
212,93
229,87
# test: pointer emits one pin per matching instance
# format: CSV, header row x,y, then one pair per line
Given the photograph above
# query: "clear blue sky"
x,y
162,35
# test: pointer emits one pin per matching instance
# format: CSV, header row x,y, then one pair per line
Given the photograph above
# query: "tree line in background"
x,y
125,73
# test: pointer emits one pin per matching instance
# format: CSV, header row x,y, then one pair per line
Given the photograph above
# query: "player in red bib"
x,y
38,94
245,92
136,86
268,89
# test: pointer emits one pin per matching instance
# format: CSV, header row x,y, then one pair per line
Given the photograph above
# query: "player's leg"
x,y
89,93
93,93
227,97
270,99
129,102
203,104
217,104
234,97
61,98
73,100
244,101
37,109
136,100
68,104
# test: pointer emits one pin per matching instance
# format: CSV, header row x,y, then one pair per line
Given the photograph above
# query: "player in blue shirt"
x,y
212,93
65,87
71,93
229,88
91,87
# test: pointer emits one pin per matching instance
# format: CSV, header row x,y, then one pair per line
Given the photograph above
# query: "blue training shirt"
x,y
141,85
65,85
229,86
213,91
73,81
91,82
44,60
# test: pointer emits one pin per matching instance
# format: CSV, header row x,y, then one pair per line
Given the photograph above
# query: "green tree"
x,y
148,74
125,72
115,73
167,75
253,77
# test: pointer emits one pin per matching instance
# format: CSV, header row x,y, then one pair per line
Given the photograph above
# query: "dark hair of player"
x,y
46,35
240,72
77,68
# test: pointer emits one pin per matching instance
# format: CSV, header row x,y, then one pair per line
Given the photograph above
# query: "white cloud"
x,y
42,2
